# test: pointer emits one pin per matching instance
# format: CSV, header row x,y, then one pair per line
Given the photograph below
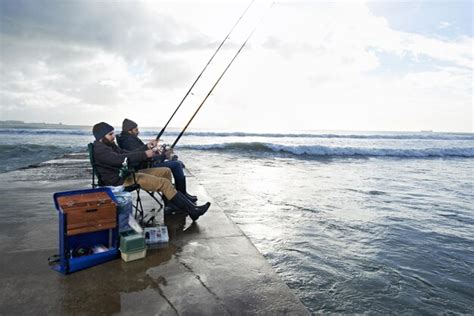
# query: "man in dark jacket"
x,y
128,140
109,159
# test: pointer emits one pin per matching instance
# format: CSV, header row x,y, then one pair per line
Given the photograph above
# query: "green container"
x,y
131,241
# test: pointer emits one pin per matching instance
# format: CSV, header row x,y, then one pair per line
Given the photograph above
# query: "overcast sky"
x,y
310,65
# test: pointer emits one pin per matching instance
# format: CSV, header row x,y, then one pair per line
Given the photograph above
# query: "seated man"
x,y
109,158
129,140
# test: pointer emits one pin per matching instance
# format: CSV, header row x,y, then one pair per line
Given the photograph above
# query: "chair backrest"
x,y
95,173
119,140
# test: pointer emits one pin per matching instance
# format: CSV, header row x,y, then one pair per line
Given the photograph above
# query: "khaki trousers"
x,y
155,180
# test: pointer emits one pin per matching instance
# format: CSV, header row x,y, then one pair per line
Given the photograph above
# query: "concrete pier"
x,y
208,268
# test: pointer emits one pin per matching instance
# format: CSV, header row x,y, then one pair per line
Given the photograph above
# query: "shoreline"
x,y
209,267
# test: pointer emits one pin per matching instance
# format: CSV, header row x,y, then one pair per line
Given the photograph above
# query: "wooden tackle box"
x,y
87,220
88,212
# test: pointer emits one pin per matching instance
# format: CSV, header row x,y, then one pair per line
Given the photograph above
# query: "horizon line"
x,y
62,125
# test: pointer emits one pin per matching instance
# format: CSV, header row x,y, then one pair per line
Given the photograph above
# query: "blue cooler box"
x,y
88,230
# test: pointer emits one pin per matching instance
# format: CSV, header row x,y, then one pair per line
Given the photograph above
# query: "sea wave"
x,y
32,131
401,136
18,156
326,151
342,135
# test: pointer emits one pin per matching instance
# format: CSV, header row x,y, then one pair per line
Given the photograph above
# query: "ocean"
x,y
353,222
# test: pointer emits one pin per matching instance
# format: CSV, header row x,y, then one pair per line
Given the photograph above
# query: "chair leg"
x,y
152,194
139,209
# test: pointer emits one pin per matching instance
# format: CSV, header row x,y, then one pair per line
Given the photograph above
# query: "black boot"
x,y
190,197
170,208
181,187
193,211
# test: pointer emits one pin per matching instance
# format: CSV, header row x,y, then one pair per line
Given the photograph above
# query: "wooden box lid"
x,y
84,200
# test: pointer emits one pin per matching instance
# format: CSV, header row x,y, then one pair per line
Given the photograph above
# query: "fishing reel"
x,y
166,150
161,149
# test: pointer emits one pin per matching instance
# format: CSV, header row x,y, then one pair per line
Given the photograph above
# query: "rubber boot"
x,y
171,208
193,211
181,187
190,197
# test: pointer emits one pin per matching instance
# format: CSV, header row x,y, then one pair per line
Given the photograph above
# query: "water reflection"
x,y
355,235
135,287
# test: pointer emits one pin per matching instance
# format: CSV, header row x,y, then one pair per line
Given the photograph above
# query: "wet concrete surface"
x,y
208,268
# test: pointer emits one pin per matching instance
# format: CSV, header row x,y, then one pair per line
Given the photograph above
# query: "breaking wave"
x,y
402,136
325,151
19,156
150,133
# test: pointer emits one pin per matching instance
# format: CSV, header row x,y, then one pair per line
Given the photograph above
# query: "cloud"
x,y
57,53
310,65
328,75
444,24
119,27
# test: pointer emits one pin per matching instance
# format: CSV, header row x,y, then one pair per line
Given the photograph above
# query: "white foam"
x,y
326,151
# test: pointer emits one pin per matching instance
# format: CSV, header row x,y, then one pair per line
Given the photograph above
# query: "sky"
x,y
309,65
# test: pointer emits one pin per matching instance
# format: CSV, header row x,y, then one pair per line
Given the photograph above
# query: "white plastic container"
x,y
156,235
133,255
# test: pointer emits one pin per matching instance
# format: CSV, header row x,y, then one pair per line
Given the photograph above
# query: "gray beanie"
x,y
128,125
101,129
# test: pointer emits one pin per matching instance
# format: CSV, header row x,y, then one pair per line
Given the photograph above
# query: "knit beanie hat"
x,y
128,125
101,129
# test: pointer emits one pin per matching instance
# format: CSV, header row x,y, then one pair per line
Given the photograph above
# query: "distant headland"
x,y
21,124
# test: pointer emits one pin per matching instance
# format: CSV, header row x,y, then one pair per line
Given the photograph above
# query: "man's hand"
x,y
152,144
168,153
149,153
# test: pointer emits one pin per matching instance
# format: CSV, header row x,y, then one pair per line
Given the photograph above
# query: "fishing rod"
x,y
195,81
215,84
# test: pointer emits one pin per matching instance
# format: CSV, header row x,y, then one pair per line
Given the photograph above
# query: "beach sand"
x,y
209,267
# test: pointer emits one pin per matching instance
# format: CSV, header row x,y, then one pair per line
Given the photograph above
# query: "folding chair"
x,y
169,208
137,206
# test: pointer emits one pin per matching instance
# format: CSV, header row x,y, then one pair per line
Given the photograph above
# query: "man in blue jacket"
x,y
129,140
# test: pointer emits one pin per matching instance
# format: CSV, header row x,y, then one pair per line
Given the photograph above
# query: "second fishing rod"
x,y
205,67
215,84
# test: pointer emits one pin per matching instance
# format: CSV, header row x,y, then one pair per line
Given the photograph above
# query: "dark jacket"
x,y
108,159
130,142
